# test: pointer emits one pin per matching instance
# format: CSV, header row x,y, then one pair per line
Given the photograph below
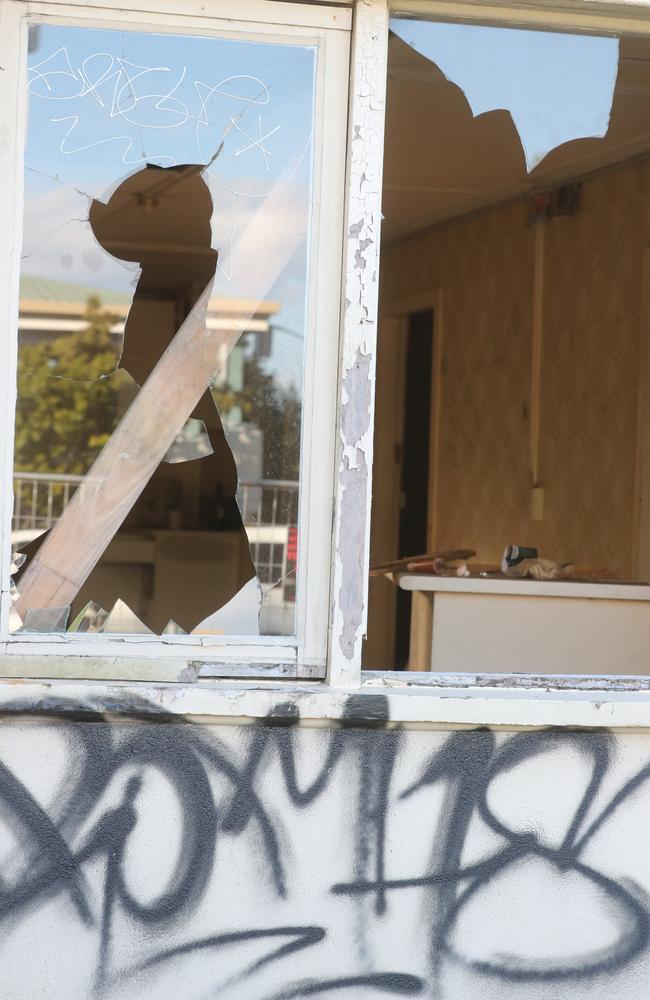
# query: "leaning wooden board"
x,y
122,469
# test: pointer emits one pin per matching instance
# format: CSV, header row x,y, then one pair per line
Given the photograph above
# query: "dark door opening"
x,y
414,485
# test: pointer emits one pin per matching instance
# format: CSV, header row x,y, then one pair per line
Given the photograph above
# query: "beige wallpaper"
x,y
592,305
592,326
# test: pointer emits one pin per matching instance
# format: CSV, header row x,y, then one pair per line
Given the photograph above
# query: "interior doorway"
x,y
403,507
415,463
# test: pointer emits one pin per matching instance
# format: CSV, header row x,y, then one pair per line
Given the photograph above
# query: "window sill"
x,y
392,699
154,665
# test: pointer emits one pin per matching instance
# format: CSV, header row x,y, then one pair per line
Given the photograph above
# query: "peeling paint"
x,y
351,594
549,683
318,705
356,418
359,338
190,673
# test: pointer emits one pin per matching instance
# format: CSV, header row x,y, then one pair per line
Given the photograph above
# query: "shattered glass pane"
x,y
90,619
238,616
557,87
46,619
162,328
171,628
193,441
122,621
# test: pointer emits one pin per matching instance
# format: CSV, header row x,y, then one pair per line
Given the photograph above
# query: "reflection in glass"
x,y
162,317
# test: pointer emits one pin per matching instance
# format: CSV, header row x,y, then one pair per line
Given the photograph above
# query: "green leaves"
x,y
68,397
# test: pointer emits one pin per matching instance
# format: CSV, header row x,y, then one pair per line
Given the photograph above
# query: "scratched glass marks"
x,y
161,334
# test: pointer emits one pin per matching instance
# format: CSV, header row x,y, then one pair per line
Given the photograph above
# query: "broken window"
x,y
555,87
510,486
162,333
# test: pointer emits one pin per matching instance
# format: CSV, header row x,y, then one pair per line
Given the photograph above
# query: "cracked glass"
x,y
161,333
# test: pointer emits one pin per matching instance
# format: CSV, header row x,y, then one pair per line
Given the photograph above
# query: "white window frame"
x,y
598,16
410,697
185,657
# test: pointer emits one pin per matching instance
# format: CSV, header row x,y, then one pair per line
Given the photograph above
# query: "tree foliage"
x,y
71,397
68,397
276,410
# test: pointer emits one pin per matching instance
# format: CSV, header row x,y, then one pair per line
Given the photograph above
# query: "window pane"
x,y
162,331
512,458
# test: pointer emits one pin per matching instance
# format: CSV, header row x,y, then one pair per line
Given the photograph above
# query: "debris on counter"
x,y
433,562
515,554
539,569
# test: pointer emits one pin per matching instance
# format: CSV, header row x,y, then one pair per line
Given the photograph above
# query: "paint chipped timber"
x,y
352,534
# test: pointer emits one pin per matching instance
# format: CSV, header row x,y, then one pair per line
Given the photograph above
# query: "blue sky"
x,y
101,103
556,86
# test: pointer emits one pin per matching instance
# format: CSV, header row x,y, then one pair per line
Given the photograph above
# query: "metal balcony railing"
x,y
269,509
40,498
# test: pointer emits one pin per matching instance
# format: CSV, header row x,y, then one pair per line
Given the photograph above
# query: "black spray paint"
x,y
362,751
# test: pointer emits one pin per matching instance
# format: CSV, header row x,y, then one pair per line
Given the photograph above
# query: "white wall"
x,y
160,859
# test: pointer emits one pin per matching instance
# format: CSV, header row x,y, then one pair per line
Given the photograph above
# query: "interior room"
x,y
512,372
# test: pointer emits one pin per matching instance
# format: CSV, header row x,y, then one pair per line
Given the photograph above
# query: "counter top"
x,y
526,588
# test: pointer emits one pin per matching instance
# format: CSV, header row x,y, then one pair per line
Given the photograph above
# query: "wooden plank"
x,y
421,635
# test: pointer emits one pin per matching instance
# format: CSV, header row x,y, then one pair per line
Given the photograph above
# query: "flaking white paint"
x,y
409,700
357,377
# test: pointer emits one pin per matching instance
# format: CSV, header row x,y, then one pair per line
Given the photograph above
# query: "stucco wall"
x,y
173,858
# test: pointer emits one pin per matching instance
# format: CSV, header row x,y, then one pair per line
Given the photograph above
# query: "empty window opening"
x,y
414,479
516,196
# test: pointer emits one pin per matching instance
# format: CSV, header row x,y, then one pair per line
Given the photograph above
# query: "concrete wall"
x,y
158,858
